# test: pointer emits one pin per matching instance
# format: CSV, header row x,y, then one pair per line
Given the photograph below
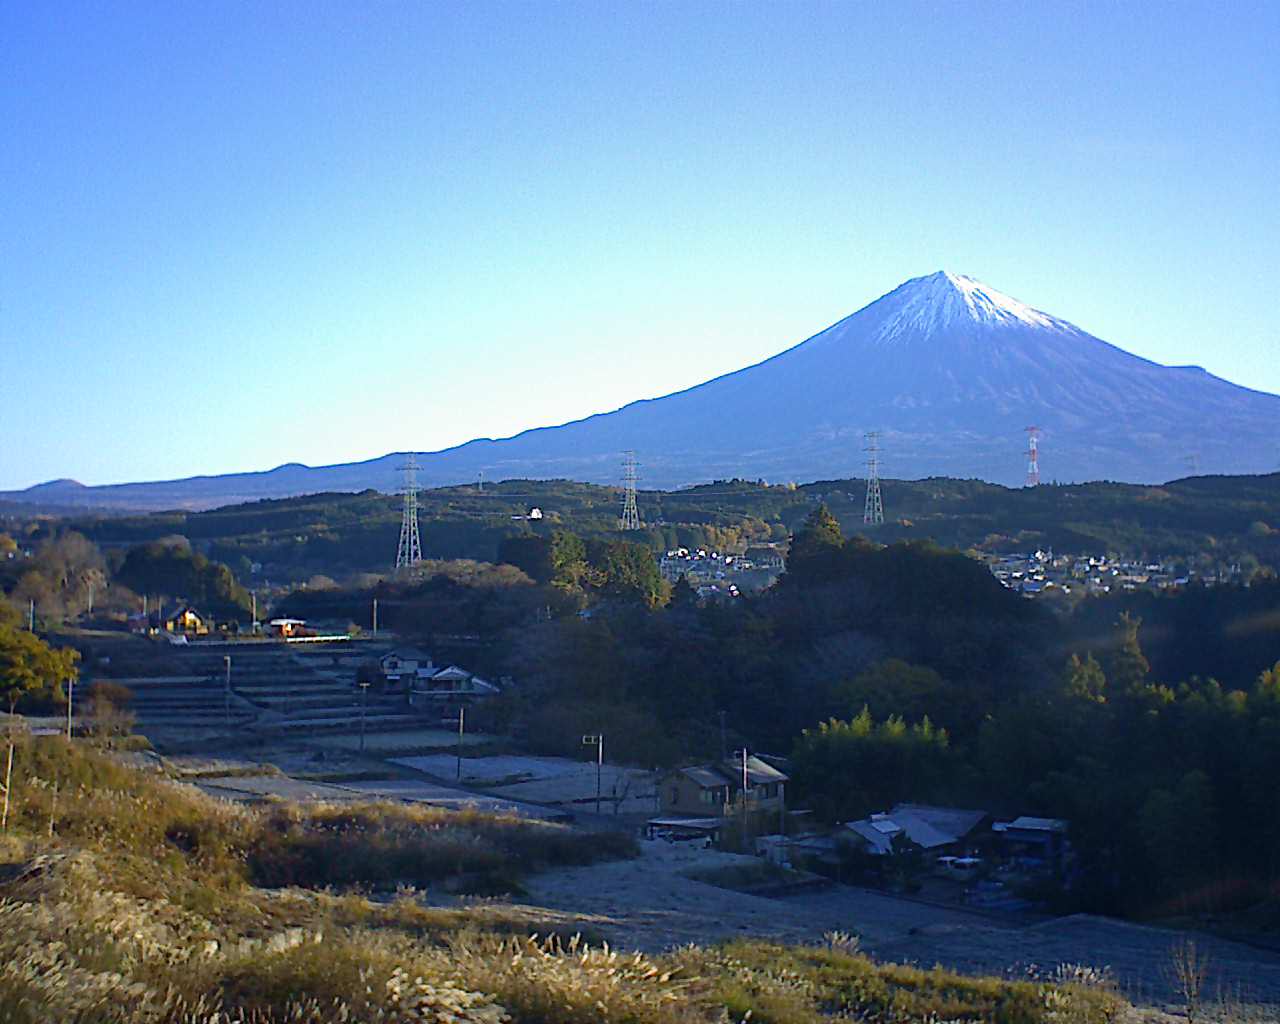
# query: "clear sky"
x,y
239,234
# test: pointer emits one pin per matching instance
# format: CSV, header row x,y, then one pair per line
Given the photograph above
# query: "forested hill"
x,y
1219,519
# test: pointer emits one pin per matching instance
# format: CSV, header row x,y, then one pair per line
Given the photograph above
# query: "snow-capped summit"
x,y
948,369
925,306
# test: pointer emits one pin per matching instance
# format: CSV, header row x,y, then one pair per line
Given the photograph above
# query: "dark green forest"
x,y
1206,521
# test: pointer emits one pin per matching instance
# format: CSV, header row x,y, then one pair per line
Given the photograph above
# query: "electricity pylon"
x,y
873,509
409,553
630,512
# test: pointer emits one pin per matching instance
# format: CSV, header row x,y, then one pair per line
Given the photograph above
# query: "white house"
x,y
452,683
407,664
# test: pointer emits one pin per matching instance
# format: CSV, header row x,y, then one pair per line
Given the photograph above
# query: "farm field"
x,y
549,780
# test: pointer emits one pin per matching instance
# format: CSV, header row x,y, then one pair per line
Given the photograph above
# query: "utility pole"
x,y
630,511
253,594
873,508
598,743
226,691
31,615
90,598
409,552
375,616
71,693
462,723
745,784
364,704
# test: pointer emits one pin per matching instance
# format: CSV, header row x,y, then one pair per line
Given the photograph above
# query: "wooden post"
x,y
8,781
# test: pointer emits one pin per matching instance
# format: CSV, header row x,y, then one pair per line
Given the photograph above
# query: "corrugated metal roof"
x,y
695,823
707,778
923,834
954,821
758,772
879,842
880,829
1031,824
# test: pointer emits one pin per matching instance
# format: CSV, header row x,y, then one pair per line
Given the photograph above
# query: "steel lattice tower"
x,y
630,512
409,553
1033,456
873,510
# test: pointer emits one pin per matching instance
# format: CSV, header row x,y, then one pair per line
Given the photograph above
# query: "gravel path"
x,y
646,903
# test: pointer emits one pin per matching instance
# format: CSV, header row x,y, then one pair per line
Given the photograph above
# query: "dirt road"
x,y
647,904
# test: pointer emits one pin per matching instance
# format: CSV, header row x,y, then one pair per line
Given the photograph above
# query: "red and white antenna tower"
x,y
1033,456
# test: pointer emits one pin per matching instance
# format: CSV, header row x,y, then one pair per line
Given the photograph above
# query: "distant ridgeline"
x,y
1219,520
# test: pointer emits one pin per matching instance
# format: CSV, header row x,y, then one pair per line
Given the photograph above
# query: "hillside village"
x,y
1044,574
309,699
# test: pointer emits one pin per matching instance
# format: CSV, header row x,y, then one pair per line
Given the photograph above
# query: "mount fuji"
x,y
949,370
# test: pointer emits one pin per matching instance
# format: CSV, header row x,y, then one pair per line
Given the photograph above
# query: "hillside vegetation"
x,y
1208,520
129,898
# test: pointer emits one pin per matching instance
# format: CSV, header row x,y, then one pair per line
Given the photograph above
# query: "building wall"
x,y
679,794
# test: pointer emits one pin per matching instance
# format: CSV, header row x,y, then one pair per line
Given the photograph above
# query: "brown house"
x,y
715,790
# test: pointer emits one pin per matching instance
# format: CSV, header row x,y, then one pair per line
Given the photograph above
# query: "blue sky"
x,y
239,234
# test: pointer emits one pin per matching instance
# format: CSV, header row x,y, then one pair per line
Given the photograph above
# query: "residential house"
x,y
406,665
450,685
936,829
714,790
185,620
286,628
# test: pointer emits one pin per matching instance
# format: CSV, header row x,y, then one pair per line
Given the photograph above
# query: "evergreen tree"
x,y
815,549
1128,668
1085,680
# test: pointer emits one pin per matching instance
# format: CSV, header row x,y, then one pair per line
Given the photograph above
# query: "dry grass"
x,y
142,906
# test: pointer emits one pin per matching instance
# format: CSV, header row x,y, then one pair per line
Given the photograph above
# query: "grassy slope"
x,y
138,903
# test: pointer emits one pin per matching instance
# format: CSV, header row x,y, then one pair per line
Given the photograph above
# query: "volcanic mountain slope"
x,y
950,371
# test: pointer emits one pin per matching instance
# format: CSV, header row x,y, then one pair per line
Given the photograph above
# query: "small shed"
x,y
676,828
1039,839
